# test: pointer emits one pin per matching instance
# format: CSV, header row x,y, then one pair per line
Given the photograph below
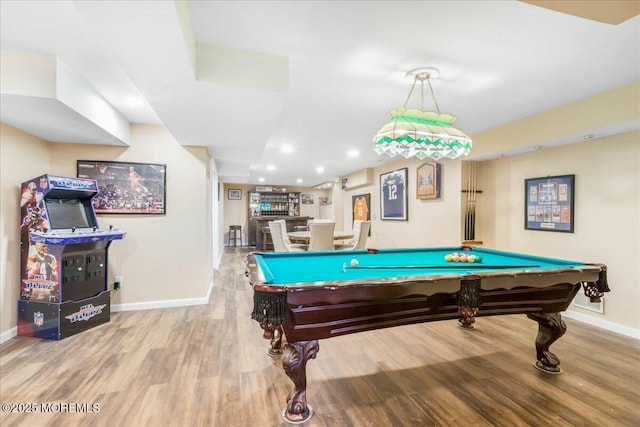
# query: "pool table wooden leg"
x,y
275,345
468,318
294,362
550,328
274,335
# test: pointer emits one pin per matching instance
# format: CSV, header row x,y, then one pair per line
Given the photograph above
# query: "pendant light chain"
x,y
433,95
410,92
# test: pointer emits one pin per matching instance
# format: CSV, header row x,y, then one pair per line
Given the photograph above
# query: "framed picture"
x,y
393,195
125,187
428,181
549,203
234,194
360,208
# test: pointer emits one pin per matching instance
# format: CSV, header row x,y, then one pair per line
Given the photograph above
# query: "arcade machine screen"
x,y
69,213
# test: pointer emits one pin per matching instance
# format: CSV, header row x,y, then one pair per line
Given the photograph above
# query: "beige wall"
x,y
22,156
607,218
430,222
164,259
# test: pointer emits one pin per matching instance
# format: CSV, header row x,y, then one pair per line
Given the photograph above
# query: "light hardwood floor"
x,y
207,366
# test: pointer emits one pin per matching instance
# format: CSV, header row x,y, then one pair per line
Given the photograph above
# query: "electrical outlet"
x,y
117,283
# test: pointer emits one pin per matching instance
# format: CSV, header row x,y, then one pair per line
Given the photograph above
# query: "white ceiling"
x,y
243,78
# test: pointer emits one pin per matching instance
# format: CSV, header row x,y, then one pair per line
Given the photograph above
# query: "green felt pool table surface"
x,y
309,267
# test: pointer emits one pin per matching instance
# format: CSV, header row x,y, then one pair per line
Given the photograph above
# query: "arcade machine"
x,y
63,259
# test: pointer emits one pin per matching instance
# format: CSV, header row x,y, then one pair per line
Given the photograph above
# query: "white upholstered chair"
x,y
287,241
281,242
360,234
321,236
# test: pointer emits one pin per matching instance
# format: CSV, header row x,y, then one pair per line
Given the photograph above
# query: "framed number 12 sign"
x,y
394,195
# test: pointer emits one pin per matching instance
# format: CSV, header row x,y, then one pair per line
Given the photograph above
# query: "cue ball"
x,y
354,262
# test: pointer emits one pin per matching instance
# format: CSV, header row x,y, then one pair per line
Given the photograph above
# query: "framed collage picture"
x,y
393,195
549,203
125,187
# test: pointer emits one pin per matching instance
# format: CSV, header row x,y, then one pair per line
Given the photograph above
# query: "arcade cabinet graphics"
x,y
64,258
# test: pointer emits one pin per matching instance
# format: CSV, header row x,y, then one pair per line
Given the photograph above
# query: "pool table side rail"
x,y
358,309
259,278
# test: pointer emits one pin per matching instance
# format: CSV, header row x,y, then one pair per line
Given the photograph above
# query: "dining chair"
x,y
321,236
278,238
281,242
285,236
360,234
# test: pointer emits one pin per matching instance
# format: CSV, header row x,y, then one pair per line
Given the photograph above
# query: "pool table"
x,y
302,297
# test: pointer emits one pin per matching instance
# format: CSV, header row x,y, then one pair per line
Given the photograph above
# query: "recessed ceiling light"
x,y
261,179
588,136
286,149
299,181
537,147
352,153
271,167
320,169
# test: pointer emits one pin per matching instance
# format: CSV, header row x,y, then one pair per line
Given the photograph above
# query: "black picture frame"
x,y
549,203
394,200
126,187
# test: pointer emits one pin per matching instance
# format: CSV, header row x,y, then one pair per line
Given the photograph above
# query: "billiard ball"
x,y
471,258
478,258
354,262
456,258
448,257
463,258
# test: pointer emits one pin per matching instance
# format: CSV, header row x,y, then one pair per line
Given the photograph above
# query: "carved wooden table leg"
x,y
550,328
469,301
273,333
468,318
294,362
275,346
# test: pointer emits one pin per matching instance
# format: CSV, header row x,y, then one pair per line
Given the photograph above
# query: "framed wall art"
x,y
549,203
360,208
307,198
393,195
428,181
126,187
234,194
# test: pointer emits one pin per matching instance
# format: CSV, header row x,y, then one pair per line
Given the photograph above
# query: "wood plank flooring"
x,y
207,366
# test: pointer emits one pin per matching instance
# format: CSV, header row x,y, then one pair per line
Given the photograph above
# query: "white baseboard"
x,y
150,305
7,335
13,332
601,323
